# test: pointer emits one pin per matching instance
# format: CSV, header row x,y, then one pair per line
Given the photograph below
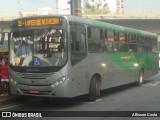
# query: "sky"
x,y
28,5
141,6
141,3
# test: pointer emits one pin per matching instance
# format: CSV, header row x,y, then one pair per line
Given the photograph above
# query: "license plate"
x,y
34,91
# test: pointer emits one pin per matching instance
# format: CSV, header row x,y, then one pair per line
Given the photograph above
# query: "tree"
x,y
90,8
94,9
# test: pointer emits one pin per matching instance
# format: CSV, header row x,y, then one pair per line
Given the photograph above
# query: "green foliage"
x,y
92,9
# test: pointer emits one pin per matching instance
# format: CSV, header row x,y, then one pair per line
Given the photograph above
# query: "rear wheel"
x,y
94,90
141,78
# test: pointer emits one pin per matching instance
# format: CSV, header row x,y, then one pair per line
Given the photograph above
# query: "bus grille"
x,y
34,75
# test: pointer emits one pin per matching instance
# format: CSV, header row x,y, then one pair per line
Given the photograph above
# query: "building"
x,y
119,4
62,7
40,11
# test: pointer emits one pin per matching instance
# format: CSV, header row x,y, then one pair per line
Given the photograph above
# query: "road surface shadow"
x,y
65,103
109,91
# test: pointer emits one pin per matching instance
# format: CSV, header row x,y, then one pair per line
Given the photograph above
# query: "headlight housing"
x,y
60,81
14,81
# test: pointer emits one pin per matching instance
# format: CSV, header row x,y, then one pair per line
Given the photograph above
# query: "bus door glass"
x,y
78,43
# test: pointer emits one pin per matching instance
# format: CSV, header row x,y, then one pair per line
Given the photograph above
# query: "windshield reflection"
x,y
40,48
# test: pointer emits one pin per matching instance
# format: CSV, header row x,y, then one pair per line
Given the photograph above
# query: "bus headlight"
x,y
136,64
60,81
103,65
13,81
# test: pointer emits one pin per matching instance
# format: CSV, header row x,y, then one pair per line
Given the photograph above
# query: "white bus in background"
x,y
4,46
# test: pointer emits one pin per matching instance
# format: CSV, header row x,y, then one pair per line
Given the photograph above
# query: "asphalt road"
x,y
124,98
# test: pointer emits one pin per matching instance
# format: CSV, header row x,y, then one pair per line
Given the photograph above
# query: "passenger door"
x,y
79,66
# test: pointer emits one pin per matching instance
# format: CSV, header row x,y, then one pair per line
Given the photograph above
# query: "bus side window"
x,y
82,45
4,36
110,38
123,45
122,36
141,39
141,48
1,38
95,40
110,35
132,38
132,47
148,44
154,45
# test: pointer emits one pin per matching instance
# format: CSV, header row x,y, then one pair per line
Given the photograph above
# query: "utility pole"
x,y
20,11
76,7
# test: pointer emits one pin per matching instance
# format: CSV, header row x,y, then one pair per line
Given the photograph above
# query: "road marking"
x,y
152,84
4,99
95,101
11,106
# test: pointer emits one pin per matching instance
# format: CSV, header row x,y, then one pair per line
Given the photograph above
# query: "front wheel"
x,y
94,90
141,78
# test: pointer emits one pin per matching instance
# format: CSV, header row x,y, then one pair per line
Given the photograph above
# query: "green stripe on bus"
x,y
126,61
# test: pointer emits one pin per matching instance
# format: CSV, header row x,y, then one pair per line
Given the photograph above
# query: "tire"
x,y
141,78
94,90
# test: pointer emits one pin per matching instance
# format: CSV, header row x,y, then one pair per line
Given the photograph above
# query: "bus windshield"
x,y
38,48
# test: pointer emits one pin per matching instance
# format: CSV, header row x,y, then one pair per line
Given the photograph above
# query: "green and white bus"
x,y
68,56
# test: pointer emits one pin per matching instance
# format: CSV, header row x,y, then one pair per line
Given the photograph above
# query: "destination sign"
x,y
34,22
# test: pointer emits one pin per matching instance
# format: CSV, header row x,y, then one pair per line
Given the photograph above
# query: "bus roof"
x,y
110,26
96,23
